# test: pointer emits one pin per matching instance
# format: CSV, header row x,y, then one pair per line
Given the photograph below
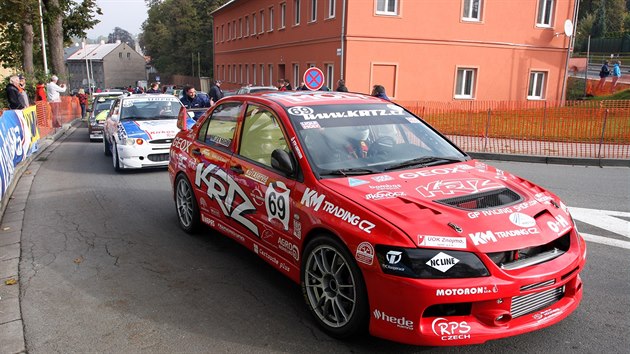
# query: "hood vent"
x,y
486,200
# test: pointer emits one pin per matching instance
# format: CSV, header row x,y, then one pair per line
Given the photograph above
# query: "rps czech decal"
x,y
450,330
232,200
277,203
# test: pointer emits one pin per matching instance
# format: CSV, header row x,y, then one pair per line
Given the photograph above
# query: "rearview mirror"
x,y
282,161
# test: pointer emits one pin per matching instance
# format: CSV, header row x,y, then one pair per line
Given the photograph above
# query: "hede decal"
x,y
277,203
232,200
442,262
560,226
466,291
522,220
289,248
181,144
450,330
296,148
312,199
441,241
380,195
482,238
435,172
401,322
365,253
256,176
457,186
207,220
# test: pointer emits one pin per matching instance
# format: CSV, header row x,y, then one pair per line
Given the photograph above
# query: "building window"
x,y
246,74
313,17
254,71
229,29
472,10
246,26
254,24
120,55
296,76
262,21
270,75
216,34
465,84
296,12
271,19
283,15
128,55
222,33
240,28
234,69
331,8
536,89
387,7
240,71
262,74
330,76
545,13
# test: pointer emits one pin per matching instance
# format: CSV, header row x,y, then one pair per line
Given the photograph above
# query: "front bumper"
x,y
442,312
147,155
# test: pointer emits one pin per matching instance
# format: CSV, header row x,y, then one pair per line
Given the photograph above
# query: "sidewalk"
x,y
14,205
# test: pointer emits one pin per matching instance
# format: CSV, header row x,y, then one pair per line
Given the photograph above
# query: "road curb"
x,y
576,161
12,210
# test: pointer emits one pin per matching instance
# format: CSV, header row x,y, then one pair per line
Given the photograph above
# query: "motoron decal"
x,y
441,241
400,322
365,253
277,203
475,290
312,199
457,186
450,330
216,180
436,171
484,237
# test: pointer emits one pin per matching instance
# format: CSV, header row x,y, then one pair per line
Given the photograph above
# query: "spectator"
x,y
14,94
82,101
379,91
287,85
616,75
154,88
302,86
190,98
280,85
341,86
23,93
53,90
40,92
215,91
603,74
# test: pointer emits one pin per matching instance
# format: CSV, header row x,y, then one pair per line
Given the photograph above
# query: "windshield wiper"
x,y
423,161
348,172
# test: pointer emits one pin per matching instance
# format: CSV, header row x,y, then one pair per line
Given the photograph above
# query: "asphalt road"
x,y
105,268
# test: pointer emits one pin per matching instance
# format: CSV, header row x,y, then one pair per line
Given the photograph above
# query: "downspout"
x,y
343,39
576,8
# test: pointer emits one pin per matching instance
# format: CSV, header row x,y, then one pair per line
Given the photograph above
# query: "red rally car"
x,y
386,224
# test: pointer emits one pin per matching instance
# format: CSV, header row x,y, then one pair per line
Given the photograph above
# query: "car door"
x,y
278,225
222,202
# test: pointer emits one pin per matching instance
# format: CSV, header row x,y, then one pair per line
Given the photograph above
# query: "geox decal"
x,y
226,192
435,172
277,203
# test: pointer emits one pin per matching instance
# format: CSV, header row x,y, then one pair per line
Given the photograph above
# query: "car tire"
x,y
115,159
333,288
186,205
107,151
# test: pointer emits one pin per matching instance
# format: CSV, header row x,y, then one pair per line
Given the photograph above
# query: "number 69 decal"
x,y
277,203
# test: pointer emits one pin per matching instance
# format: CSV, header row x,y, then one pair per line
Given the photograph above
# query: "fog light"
x,y
499,301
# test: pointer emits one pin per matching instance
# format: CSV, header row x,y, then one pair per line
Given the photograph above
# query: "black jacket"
x,y
215,93
13,96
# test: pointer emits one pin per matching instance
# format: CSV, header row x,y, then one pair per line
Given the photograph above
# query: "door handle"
x,y
196,152
237,169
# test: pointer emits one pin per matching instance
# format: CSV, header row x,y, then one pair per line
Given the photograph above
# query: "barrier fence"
x,y
585,129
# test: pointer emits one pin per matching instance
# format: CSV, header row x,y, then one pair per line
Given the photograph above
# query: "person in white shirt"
x,y
53,90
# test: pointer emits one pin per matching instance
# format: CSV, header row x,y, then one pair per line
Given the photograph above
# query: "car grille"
x,y
158,157
523,305
161,141
491,199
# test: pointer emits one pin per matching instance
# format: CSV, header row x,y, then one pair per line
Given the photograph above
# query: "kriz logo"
x,y
400,322
393,257
450,330
458,186
231,199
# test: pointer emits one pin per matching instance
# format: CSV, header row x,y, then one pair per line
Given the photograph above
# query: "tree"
x,y
122,35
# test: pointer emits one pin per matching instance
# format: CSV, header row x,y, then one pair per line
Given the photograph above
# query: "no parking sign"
x,y
313,79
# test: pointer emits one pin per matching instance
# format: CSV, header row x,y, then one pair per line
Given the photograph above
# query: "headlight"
x,y
132,141
429,263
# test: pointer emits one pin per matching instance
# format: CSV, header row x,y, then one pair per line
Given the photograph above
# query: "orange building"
x,y
431,50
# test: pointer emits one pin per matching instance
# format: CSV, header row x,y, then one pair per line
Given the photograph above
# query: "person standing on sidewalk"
x,y
83,98
14,96
603,74
616,75
53,90
23,93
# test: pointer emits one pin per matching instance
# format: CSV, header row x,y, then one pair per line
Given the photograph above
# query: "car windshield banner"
x,y
307,117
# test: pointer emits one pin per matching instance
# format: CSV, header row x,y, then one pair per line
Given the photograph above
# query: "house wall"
x,y
123,67
415,54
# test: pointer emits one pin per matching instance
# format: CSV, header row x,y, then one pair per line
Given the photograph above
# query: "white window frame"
x,y
254,70
468,75
270,74
537,86
247,26
296,76
330,76
254,24
247,74
332,7
313,11
234,69
382,6
234,29
467,10
296,12
262,22
545,13
283,15
240,28
271,19
262,74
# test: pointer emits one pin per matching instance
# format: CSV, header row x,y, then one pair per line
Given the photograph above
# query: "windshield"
x,y
343,140
150,108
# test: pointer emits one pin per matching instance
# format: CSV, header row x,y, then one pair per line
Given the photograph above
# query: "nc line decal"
x,y
226,192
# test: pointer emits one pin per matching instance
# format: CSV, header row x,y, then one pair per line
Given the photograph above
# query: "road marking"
x,y
608,220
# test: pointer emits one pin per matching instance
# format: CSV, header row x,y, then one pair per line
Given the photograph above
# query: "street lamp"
x,y
41,26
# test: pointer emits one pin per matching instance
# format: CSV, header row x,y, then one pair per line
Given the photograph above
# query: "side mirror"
x,y
182,119
282,161
115,118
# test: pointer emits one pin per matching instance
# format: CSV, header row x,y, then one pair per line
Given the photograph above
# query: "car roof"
x,y
148,95
312,98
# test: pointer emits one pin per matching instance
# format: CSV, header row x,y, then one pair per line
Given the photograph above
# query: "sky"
x,y
126,14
